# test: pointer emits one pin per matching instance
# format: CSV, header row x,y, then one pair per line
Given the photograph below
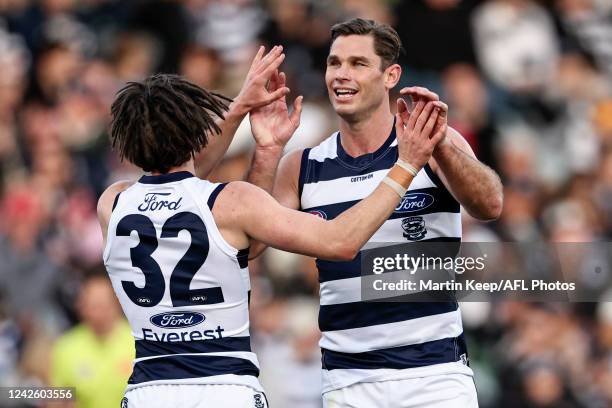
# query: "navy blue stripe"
x,y
303,172
433,176
165,178
243,257
415,355
147,348
331,169
213,196
334,270
331,211
179,367
115,202
363,314
361,161
442,202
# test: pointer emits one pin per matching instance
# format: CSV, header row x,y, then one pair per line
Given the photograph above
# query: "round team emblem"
x,y
414,228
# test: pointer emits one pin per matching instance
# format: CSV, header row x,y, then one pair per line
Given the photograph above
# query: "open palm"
x,y
272,124
424,95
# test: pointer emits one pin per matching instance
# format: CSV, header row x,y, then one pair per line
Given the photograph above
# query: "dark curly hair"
x,y
163,121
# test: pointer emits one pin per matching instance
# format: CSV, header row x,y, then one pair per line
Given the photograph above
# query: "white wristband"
x,y
397,187
407,166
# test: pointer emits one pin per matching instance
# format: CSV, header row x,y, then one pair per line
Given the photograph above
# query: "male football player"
x,y
379,354
176,246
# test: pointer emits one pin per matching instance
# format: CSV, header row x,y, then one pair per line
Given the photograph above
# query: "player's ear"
x,y
392,75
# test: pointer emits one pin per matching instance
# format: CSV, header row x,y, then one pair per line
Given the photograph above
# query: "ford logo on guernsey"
x,y
412,202
177,320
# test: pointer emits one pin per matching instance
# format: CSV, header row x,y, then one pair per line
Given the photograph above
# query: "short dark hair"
x,y
163,121
387,43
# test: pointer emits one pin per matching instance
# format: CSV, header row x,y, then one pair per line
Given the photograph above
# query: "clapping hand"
x,y
424,95
272,124
418,132
255,91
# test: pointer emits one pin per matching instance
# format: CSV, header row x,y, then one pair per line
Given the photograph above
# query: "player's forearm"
x,y
208,159
262,173
263,167
354,227
337,240
476,186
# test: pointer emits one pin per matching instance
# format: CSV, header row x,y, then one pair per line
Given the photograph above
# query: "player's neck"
x,y
188,166
368,135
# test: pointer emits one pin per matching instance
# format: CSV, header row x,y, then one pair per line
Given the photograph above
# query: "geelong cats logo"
x,y
414,228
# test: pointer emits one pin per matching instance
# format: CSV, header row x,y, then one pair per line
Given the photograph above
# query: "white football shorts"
x,y
194,396
438,391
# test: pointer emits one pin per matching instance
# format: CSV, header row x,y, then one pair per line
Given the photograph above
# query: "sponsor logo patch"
x,y
177,320
155,201
412,202
361,178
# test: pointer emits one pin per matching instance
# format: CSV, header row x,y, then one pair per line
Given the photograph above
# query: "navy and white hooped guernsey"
x,y
182,287
379,341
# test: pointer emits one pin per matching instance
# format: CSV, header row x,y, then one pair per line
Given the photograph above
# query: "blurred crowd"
x,y
529,84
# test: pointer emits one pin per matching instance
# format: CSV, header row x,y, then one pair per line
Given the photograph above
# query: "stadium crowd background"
x,y
528,84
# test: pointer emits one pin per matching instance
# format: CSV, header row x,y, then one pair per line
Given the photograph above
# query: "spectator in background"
x,y
14,64
202,66
96,355
589,24
63,60
137,53
302,28
29,277
167,23
446,26
291,347
465,91
10,338
516,44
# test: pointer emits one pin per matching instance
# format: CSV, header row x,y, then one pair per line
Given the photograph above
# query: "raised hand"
x,y
254,92
271,124
418,132
421,94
